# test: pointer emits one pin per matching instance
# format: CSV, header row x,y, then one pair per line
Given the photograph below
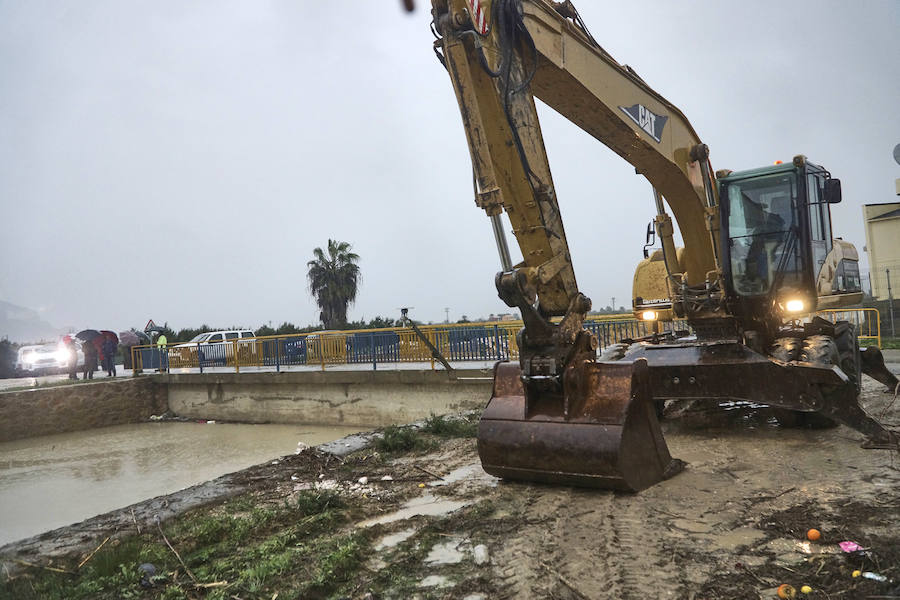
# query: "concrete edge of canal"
x,y
357,398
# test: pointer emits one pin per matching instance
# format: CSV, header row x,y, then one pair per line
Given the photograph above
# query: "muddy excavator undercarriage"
x,y
753,264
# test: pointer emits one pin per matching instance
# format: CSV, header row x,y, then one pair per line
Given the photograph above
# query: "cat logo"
x,y
646,119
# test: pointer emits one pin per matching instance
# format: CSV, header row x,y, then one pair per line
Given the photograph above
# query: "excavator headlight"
x,y
794,306
649,315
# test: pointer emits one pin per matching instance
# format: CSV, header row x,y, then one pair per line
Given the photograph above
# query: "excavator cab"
x,y
776,242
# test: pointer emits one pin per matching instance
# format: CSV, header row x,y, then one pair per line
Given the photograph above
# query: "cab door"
x,y
819,221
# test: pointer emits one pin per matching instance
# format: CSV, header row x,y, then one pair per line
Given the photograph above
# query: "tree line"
x,y
188,333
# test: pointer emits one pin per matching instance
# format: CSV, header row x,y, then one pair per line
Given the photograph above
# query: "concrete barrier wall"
x,y
45,411
363,398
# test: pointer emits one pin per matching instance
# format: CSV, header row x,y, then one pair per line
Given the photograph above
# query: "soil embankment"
x,y
416,517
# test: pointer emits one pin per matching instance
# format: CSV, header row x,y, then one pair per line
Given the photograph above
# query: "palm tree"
x,y
333,281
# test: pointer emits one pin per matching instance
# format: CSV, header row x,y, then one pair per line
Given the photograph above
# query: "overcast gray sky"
x,y
180,160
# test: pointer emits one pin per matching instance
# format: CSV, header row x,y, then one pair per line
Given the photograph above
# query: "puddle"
x,y
435,581
736,538
692,526
426,505
749,560
472,471
389,541
447,553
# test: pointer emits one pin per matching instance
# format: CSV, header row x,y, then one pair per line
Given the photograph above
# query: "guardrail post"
x,y
277,357
878,326
372,348
234,350
199,358
135,369
432,340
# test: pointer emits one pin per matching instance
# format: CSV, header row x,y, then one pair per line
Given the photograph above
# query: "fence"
x,y
458,342
867,321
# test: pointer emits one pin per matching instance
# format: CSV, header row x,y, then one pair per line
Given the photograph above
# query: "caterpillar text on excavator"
x,y
758,258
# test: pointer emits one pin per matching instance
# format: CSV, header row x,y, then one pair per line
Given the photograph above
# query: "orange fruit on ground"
x,y
786,591
813,535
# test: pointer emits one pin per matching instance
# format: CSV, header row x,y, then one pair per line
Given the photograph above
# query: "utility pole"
x,y
890,301
614,303
447,313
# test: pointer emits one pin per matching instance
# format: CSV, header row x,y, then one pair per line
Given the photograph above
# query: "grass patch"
x,y
397,440
111,573
452,427
299,549
314,502
887,343
340,559
293,548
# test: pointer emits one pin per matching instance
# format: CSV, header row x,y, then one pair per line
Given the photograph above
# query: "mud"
x,y
732,525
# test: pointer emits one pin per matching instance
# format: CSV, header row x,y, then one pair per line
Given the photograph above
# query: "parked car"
x,y
213,348
46,358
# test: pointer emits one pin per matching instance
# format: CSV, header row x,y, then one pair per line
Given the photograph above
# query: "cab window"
x,y
216,338
817,231
819,219
231,335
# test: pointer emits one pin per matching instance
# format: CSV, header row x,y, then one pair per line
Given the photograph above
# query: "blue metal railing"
x,y
470,342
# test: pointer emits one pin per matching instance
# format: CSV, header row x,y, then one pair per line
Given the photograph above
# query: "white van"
x,y
212,337
213,348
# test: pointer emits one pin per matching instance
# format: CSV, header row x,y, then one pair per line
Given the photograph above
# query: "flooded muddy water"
x,y
51,481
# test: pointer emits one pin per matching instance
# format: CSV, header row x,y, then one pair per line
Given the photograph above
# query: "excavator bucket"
x,y
601,431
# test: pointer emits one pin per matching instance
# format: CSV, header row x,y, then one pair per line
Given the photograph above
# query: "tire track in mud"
x,y
613,550
530,557
645,568
588,545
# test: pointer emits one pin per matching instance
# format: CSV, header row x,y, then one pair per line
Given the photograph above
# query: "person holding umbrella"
x,y
89,337
90,360
110,345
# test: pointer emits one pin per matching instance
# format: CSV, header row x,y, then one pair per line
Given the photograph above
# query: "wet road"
x,y
56,480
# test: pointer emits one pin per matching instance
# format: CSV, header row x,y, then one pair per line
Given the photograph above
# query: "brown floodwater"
x,y
52,481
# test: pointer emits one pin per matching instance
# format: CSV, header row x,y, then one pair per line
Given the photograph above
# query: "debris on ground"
x,y
418,518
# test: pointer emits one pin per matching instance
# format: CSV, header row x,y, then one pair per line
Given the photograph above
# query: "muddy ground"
x,y
427,522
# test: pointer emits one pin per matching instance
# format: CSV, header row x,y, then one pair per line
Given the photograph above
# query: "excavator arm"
x,y
501,54
596,423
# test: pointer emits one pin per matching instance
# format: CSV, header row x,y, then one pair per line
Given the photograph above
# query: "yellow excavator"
x,y
758,257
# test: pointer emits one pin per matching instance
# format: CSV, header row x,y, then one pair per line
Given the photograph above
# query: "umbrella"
x,y
86,335
109,335
129,338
